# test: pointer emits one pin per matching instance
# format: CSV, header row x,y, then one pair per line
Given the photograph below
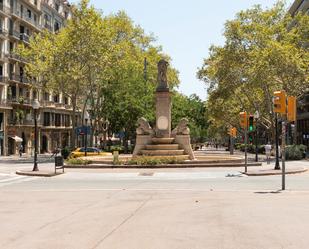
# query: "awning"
x,y
17,139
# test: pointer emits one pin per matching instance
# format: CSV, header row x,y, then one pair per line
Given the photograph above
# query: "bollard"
x,y
115,157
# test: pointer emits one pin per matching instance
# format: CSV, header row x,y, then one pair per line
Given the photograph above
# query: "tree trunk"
x,y
73,134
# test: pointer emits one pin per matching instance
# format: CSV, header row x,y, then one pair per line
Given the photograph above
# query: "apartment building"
x,y
302,126
19,20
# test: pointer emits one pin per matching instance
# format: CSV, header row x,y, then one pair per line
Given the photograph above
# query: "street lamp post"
x,y
35,106
256,117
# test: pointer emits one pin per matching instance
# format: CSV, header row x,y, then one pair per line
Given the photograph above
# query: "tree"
x,y
97,62
263,53
194,109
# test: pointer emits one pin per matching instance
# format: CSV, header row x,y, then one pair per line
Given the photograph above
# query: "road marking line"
x,y
15,180
170,190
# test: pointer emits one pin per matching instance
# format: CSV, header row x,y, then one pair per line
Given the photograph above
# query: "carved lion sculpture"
x,y
182,128
144,127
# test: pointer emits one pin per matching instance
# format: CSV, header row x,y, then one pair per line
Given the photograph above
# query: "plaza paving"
x,y
175,208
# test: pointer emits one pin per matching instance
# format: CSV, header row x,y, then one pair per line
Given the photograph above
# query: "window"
x,y
57,120
56,26
11,47
46,121
46,96
29,13
56,98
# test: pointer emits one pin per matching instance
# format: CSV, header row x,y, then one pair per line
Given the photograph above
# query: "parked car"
x,y
91,151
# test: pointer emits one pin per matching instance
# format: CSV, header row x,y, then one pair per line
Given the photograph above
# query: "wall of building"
x,y
19,20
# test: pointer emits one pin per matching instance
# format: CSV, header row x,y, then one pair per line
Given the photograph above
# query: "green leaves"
x,y
263,52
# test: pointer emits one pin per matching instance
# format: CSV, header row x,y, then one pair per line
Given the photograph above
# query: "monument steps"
x,y
162,147
162,152
162,140
176,157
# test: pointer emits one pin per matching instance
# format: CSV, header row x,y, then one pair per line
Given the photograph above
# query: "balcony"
x,y
22,122
4,104
48,104
60,105
3,79
24,37
14,34
3,33
16,57
48,26
19,100
4,10
23,17
19,79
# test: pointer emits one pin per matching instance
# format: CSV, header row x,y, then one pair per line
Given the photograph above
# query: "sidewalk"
x,y
26,158
291,167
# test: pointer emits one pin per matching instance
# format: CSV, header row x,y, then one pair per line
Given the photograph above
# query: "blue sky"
x,y
185,29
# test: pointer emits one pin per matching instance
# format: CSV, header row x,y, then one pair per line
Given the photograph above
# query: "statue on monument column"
x,y
162,75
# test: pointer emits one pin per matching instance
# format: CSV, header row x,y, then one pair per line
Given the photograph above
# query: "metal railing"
x,y
4,9
14,33
19,78
23,15
24,37
3,31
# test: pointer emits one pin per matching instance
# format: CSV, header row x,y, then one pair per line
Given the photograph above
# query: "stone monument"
x,y
161,141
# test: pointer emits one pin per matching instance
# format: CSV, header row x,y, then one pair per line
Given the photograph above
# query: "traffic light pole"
x,y
256,144
231,145
277,165
283,153
246,150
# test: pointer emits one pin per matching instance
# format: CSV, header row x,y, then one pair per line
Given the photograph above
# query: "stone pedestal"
x,y
184,142
141,142
163,113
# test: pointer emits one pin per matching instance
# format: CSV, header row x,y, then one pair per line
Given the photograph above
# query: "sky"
x,y
185,29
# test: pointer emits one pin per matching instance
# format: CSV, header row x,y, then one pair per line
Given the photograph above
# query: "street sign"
x,y
82,130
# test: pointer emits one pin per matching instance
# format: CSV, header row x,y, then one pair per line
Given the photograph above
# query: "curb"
x,y
162,166
277,172
38,173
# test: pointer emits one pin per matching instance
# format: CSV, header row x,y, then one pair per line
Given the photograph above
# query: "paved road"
x,y
132,209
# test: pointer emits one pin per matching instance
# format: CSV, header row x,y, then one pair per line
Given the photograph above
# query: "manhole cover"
x,y
146,174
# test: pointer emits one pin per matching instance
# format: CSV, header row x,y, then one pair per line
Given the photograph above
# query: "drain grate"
x,y
146,174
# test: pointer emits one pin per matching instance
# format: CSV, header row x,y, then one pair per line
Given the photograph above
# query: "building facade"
x,y
302,125
19,20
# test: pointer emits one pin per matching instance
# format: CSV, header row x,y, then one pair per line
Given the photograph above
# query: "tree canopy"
x,y
97,62
264,52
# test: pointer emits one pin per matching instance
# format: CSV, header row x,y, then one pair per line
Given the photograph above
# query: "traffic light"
x,y
234,132
291,108
251,123
280,102
243,120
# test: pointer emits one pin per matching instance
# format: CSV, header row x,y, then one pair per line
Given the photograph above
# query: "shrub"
x,y
75,161
65,152
154,161
295,152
